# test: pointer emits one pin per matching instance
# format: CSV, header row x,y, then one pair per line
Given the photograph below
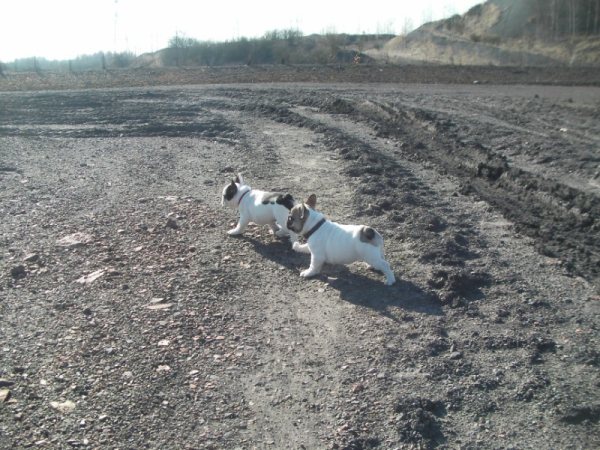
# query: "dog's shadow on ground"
x,y
366,289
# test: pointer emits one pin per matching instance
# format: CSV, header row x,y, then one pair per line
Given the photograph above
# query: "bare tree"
x,y
407,26
427,15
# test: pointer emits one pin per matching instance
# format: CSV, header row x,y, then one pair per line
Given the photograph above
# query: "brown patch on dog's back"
x,y
367,234
286,200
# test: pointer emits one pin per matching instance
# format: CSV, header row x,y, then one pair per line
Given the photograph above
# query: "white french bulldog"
x,y
333,243
259,207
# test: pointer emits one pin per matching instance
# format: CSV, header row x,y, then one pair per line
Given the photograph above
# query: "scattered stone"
x,y
4,395
582,413
358,387
74,240
163,343
159,306
18,272
65,407
455,355
172,223
87,279
6,383
31,257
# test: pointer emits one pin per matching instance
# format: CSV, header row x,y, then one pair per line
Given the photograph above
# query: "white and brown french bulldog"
x,y
259,207
333,243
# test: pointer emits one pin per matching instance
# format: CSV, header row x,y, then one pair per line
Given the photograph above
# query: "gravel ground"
x,y
130,320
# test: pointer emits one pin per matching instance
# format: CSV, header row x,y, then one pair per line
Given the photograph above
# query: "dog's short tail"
x,y
371,236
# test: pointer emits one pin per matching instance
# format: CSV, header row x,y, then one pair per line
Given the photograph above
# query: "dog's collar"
x,y
310,232
242,196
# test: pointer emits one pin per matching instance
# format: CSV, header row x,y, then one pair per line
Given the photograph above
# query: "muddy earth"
x,y
129,318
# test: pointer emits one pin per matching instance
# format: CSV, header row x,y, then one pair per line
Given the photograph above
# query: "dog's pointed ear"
x,y
304,212
311,201
239,179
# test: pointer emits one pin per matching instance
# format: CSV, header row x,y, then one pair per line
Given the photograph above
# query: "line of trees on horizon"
x,y
95,61
287,46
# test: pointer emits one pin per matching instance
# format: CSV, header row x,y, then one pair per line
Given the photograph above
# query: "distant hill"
x,y
505,33
276,47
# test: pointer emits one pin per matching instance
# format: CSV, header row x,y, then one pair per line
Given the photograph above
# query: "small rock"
x,y
455,355
358,387
172,223
4,395
163,343
65,407
6,383
87,279
159,306
31,257
75,240
18,272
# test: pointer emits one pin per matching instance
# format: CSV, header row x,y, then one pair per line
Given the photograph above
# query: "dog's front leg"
x,y
280,231
274,228
293,238
316,264
240,228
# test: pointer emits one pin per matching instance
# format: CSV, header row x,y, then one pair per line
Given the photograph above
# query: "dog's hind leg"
x,y
383,266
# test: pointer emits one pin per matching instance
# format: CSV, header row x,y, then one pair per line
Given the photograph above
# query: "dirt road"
x,y
130,320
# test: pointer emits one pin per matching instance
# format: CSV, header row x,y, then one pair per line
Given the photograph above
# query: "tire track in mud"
x,y
460,288
307,326
561,218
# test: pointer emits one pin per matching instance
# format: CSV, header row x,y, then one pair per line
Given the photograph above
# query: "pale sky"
x,y
64,29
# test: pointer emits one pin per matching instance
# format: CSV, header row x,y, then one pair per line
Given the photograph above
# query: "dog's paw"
x,y
234,232
306,273
390,281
